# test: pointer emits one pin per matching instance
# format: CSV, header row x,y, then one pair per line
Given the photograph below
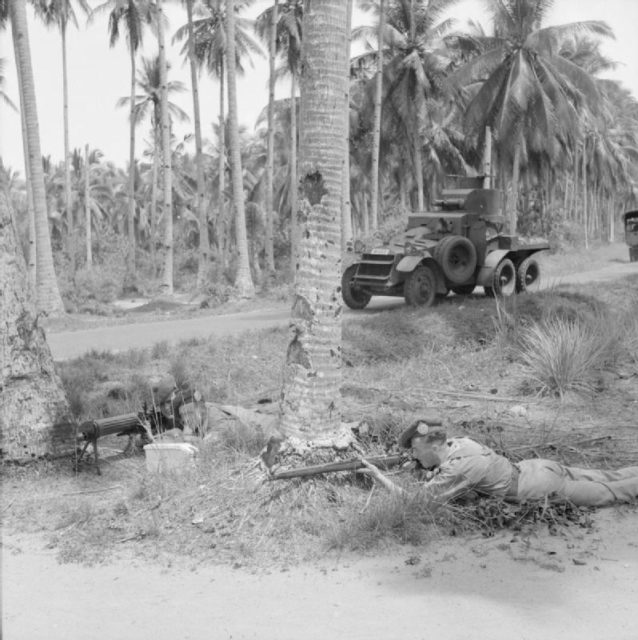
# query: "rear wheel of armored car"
x,y
464,289
420,287
456,255
353,296
503,280
528,276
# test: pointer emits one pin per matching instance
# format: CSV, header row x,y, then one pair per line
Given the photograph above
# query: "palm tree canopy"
x,y
130,14
59,12
522,77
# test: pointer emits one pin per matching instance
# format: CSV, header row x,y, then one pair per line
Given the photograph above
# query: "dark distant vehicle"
x,y
456,247
631,234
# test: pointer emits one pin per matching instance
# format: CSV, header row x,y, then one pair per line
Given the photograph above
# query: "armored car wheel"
x,y
503,279
353,296
456,255
528,276
420,287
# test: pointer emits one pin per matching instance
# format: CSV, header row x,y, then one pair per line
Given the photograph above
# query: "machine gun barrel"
x,y
120,425
383,462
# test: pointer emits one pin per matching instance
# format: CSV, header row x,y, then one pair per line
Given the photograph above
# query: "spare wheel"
x,y
456,256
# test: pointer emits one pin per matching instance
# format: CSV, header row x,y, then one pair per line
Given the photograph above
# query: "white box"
x,y
169,456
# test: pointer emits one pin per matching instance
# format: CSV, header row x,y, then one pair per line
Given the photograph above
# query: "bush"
x,y
562,354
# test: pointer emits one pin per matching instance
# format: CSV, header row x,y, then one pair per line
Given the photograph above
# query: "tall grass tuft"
x,y
560,354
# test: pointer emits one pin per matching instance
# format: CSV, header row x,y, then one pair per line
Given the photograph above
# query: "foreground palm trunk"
x,y
311,404
167,172
243,280
32,404
47,293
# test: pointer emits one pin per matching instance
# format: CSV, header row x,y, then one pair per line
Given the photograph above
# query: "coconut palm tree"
x,y
243,279
310,404
523,88
59,14
48,297
210,40
129,15
147,103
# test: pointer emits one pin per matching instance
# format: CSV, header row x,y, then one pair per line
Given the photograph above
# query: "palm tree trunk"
x,y
200,200
131,173
31,258
311,404
418,168
376,133
48,297
243,280
67,156
270,162
585,213
167,173
221,213
294,221
87,209
347,236
153,211
513,204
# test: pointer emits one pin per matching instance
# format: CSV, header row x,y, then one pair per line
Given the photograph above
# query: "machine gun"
x,y
154,420
383,462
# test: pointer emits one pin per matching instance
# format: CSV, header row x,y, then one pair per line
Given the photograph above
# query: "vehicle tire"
x,y
503,280
463,289
528,276
419,288
353,296
456,255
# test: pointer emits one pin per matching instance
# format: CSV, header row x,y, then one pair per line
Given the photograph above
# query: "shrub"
x,y
564,354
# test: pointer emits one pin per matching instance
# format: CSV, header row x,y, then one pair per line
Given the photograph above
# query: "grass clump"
x,y
561,354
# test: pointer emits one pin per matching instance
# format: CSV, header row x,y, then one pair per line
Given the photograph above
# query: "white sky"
x,y
98,76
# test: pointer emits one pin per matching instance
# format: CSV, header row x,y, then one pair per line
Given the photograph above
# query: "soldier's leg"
x,y
601,475
587,493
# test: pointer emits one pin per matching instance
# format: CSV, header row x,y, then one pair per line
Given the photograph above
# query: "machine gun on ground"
x,y
163,415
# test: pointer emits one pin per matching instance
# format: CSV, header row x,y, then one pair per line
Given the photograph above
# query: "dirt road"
x,y
71,344
573,587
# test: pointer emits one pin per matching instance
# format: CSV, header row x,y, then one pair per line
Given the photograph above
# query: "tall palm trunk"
x,y
87,209
48,297
376,133
153,204
347,236
31,258
70,221
221,213
200,201
131,173
243,279
585,212
270,162
418,166
167,173
311,404
513,201
294,220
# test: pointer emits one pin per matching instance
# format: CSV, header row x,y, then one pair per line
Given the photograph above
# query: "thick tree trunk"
x,y
376,132
47,293
243,279
33,409
270,162
200,200
131,173
311,403
347,235
294,219
418,168
167,172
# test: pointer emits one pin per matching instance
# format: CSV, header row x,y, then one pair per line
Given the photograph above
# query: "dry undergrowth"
x,y
460,358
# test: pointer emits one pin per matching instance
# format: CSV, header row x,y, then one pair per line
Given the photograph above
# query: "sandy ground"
x,y
578,585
